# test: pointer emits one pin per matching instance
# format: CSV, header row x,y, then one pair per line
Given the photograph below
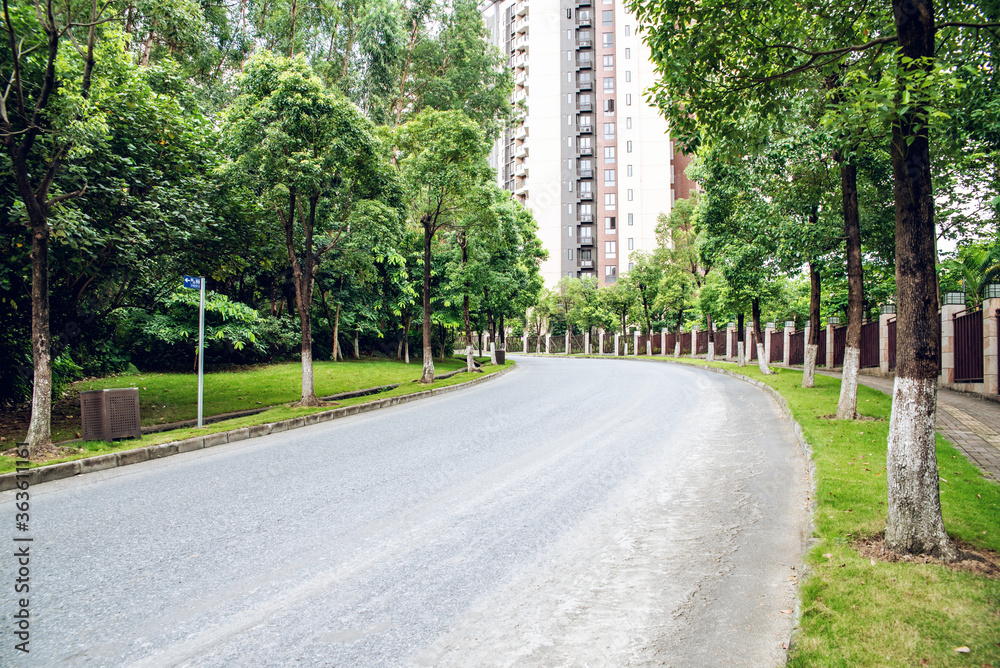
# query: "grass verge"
x,y
860,611
241,384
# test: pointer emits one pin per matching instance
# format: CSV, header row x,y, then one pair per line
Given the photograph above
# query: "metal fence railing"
x,y
701,345
777,347
969,347
797,347
869,344
839,345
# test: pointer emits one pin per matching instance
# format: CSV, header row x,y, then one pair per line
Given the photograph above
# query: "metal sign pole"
x,y
201,352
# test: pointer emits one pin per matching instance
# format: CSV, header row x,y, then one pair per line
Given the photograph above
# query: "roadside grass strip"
x,y
860,610
247,383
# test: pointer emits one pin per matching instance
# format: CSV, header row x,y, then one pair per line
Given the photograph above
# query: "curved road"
x,y
571,513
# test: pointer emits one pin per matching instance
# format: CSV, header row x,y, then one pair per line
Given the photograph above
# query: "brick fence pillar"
x,y
948,312
768,333
991,341
586,342
694,341
789,330
600,341
548,344
635,342
829,342
730,343
883,341
618,337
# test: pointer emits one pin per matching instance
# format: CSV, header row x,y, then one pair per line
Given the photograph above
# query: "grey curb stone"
x,y
126,457
220,438
99,463
191,444
163,450
54,472
133,456
239,434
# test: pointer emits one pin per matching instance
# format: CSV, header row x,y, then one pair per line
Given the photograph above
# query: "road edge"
x,y
35,476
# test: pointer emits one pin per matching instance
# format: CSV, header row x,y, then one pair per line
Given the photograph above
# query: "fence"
x,y
777,347
752,354
796,347
869,344
720,342
535,343
557,344
685,343
654,339
576,342
969,347
701,345
671,343
515,344
839,345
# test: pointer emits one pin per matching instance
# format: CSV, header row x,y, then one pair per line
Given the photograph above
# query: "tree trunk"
x,y
915,525
40,427
304,290
812,345
406,341
334,323
847,407
761,362
428,372
470,362
741,359
444,334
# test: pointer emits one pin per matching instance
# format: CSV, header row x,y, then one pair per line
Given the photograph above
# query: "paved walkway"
x,y
972,424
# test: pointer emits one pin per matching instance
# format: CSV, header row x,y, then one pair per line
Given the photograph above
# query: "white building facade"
x,y
590,158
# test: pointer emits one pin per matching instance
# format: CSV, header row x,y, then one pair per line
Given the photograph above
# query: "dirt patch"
x,y
859,418
46,453
977,561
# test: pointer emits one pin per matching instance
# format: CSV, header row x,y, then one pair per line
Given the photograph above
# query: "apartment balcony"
x,y
521,26
583,3
584,64
586,264
585,173
583,22
522,190
584,85
585,108
587,196
520,95
585,241
521,151
521,44
585,129
585,150
585,218
521,170
521,132
520,61
521,79
584,43
521,8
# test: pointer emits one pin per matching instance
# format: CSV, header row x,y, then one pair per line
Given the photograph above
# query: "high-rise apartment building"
x,y
589,156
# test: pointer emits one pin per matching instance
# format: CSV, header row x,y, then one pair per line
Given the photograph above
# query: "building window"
x,y
628,122
569,209
585,122
629,170
586,216
630,194
631,266
609,201
628,99
609,177
584,38
609,154
586,254
607,40
609,106
631,246
610,271
627,31
569,186
586,232
609,84
610,249
609,130
609,223
630,219
585,167
569,13
628,146
569,253
585,144
607,17
628,75
608,62
628,53
569,231
584,101
585,187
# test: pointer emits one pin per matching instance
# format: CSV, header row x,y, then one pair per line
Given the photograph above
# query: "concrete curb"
x,y
124,458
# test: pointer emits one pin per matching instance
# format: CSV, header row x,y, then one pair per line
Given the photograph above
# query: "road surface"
x,y
570,513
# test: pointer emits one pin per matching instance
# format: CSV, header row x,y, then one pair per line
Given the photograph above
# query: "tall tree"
x,y
442,162
319,169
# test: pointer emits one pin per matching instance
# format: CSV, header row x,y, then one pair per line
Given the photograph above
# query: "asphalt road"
x,y
571,513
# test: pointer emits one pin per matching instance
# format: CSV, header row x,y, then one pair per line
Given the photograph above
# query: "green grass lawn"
x,y
167,397
857,611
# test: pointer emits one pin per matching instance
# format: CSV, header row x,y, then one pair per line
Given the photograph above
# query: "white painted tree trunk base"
x,y
915,525
493,353
711,351
809,370
470,363
428,373
308,383
677,349
741,359
761,362
847,406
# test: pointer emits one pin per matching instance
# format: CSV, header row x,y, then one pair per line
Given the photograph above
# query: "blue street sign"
x,y
193,282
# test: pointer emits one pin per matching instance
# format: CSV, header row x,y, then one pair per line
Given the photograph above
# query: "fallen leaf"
x,y
828,555
873,561
962,650
786,612
79,435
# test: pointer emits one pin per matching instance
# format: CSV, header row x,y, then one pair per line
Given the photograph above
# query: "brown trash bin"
x,y
501,356
109,414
